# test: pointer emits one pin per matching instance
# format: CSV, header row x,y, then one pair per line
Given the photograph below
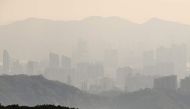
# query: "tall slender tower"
x,y
53,60
81,53
6,61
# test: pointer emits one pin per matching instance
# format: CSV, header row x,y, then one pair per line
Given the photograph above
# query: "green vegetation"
x,y
34,107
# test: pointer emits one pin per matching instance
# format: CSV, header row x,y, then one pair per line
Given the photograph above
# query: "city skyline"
x,y
91,75
95,54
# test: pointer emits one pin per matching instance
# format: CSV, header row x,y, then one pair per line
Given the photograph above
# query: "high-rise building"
x,y
185,85
81,53
148,61
89,71
32,67
137,81
122,74
179,58
110,62
16,67
107,84
53,60
175,56
84,86
168,60
6,61
65,62
69,80
166,83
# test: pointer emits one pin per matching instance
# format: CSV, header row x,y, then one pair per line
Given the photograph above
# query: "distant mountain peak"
x,y
111,19
155,20
37,19
93,18
33,20
100,17
159,21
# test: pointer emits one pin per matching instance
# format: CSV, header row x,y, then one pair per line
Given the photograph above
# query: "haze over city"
x,y
95,54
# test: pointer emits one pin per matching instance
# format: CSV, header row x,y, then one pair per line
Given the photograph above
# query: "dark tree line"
x,y
15,106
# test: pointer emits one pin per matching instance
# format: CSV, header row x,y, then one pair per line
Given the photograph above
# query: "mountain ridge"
x,y
153,19
37,37
37,90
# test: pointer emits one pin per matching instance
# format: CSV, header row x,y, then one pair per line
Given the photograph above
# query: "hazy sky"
x,y
134,10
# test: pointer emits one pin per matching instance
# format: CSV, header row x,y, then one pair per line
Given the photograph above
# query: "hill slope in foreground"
x,y
35,90
34,107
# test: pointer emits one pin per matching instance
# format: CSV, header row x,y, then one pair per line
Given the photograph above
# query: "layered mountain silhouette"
x,y
38,36
36,90
151,99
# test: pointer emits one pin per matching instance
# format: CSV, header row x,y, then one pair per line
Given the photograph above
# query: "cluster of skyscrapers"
x,y
165,61
107,75
171,83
